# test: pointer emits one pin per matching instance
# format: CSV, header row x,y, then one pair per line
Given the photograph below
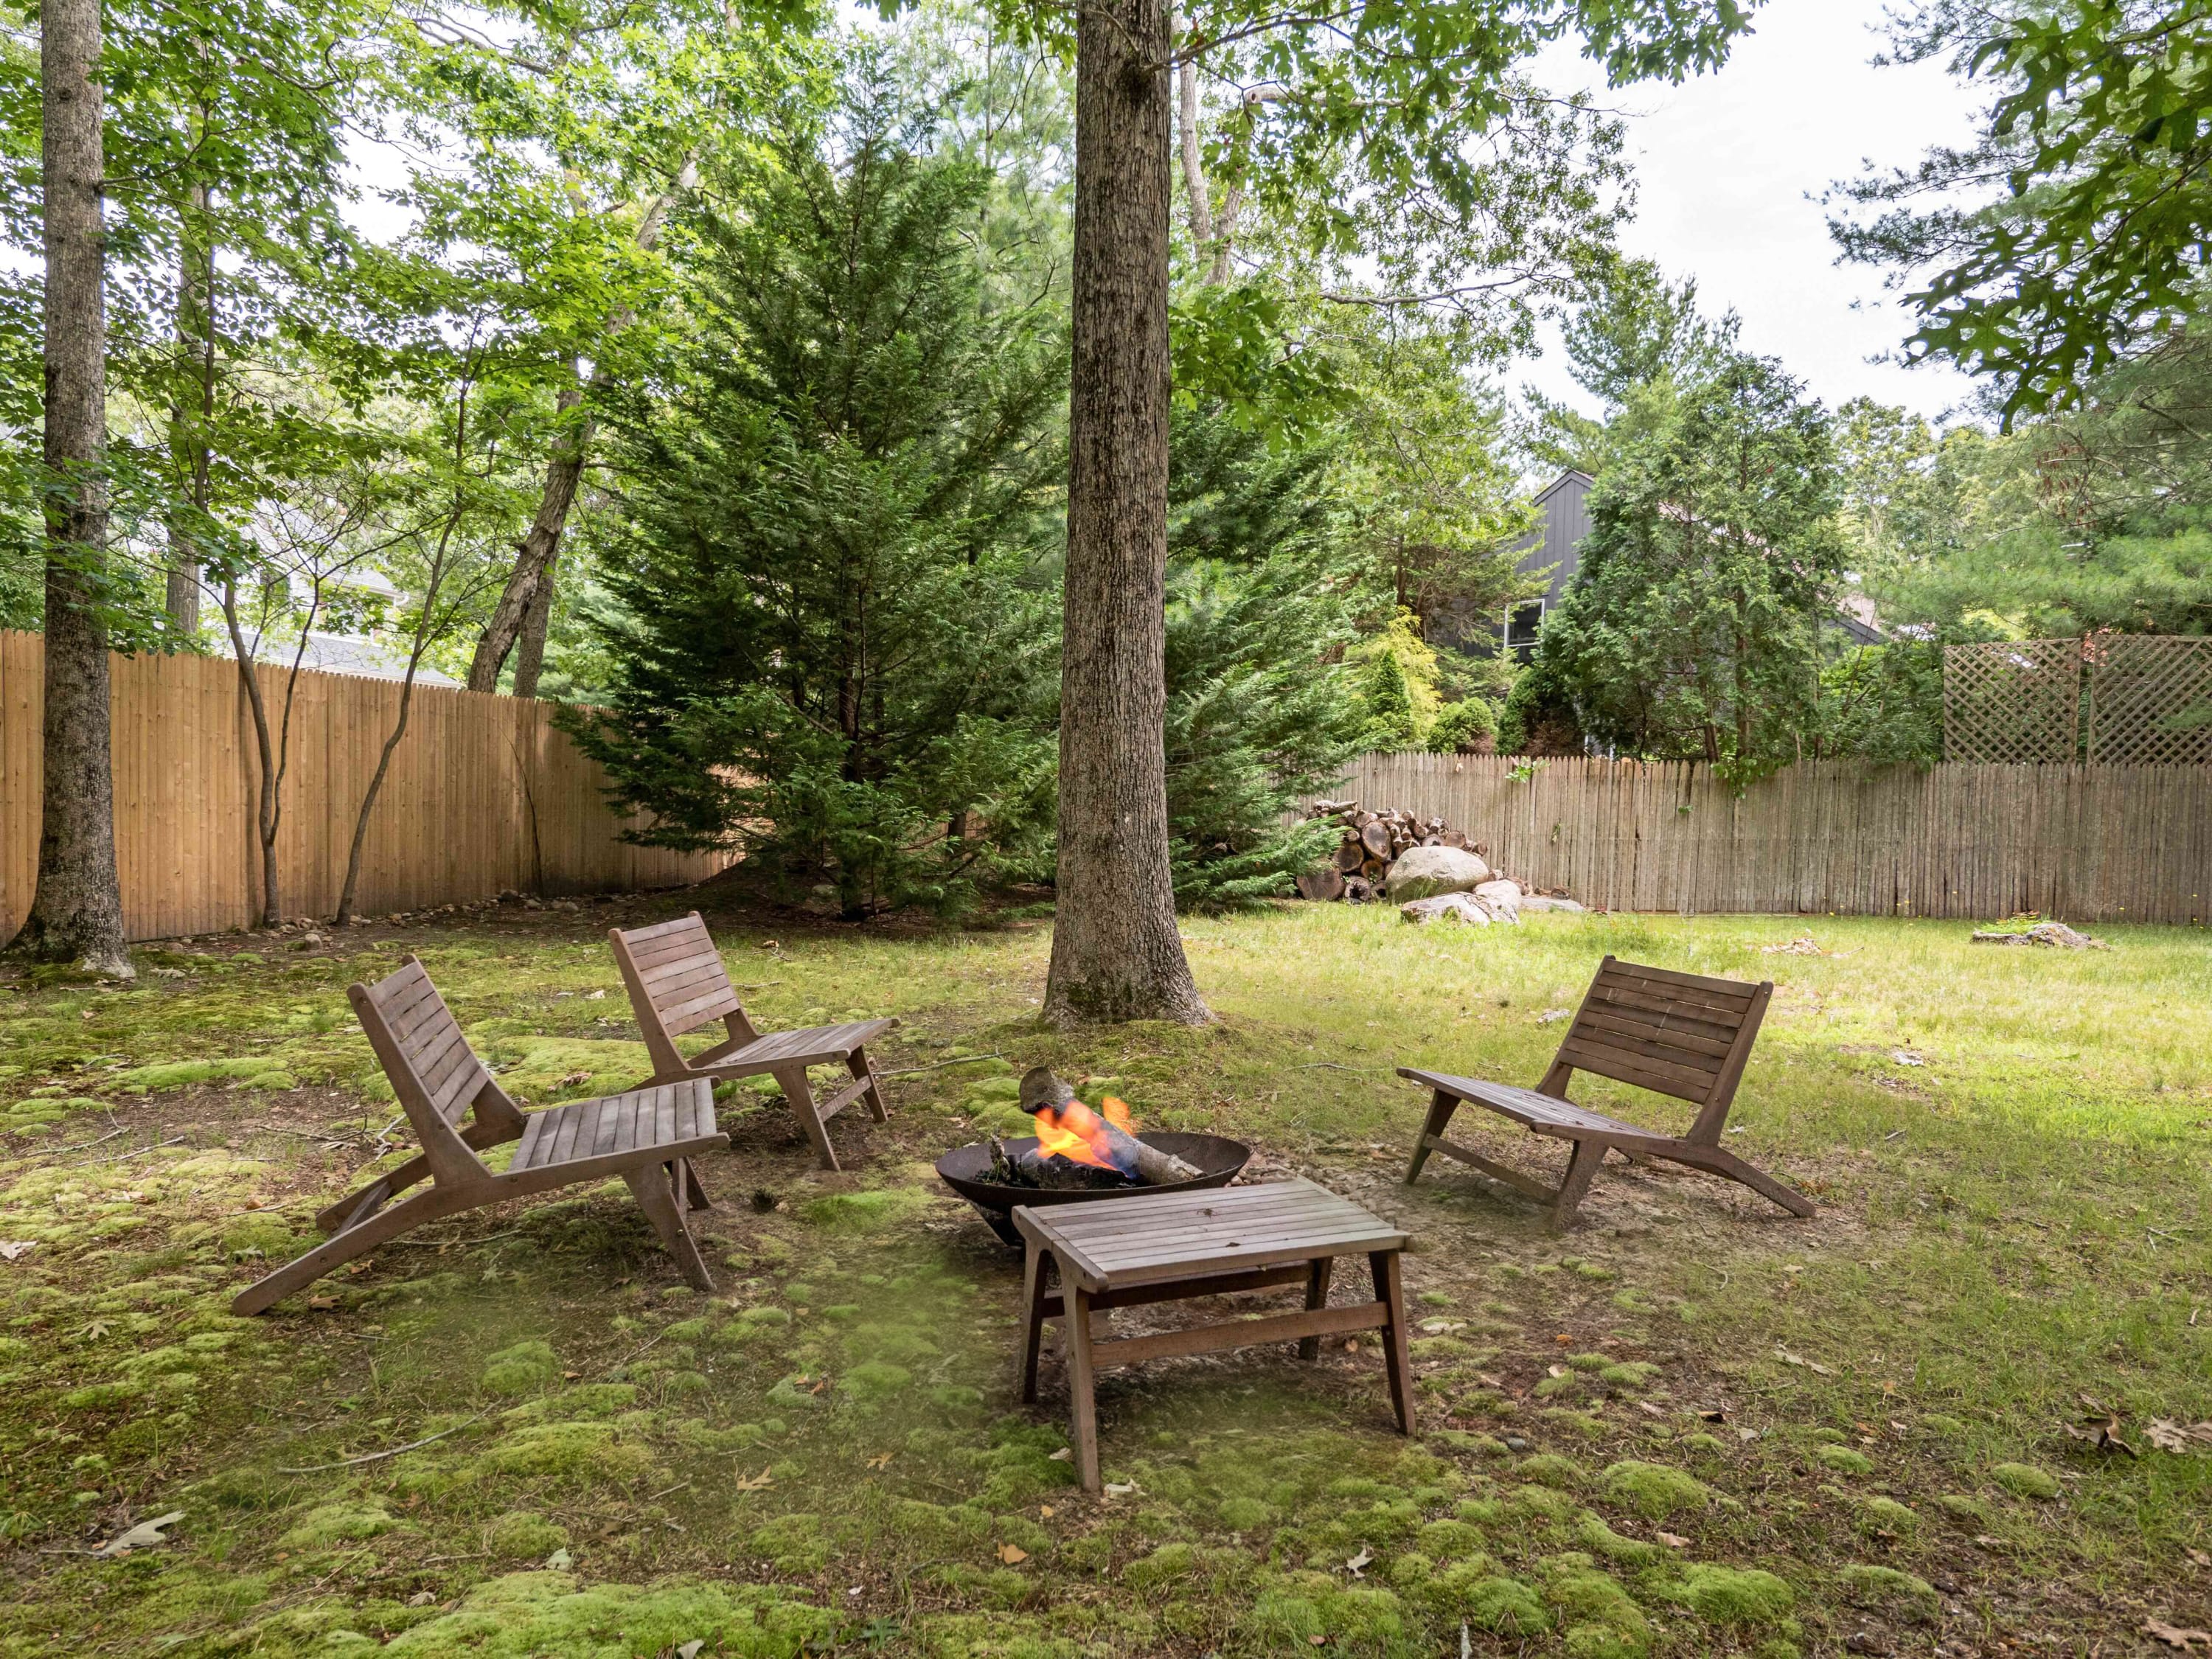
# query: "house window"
x,y
1524,620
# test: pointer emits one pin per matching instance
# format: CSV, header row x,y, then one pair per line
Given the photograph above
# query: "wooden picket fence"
x,y
2087,843
483,794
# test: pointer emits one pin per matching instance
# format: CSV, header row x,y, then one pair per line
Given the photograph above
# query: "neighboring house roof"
x,y
340,653
1855,614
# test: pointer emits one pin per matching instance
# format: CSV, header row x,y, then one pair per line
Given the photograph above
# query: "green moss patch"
x,y
864,1212
525,1368
1744,1597
1844,1459
2025,1481
336,1523
1653,1490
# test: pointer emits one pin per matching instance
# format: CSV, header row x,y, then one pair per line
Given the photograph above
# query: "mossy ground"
x,y
1691,1426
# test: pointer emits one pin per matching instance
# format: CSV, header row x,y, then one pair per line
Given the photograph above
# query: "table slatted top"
x,y
1147,1238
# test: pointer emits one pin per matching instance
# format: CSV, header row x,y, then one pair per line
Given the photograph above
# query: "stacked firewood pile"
x,y
1371,842
1371,845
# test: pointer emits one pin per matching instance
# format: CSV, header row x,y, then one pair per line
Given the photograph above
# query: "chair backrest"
x,y
676,979
1682,1035
432,1070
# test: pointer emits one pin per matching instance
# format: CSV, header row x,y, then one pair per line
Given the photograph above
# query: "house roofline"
x,y
1562,481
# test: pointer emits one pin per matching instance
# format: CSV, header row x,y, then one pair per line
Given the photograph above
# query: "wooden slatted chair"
x,y
647,1136
678,983
1675,1034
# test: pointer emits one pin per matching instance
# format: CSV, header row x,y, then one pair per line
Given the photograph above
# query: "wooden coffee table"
x,y
1166,1246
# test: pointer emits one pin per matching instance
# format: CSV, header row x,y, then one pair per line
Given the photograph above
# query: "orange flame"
x,y
1077,1133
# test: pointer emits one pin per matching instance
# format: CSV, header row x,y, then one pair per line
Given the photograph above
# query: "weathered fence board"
x,y
484,793
2091,843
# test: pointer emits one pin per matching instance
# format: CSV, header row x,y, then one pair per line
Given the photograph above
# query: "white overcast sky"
x,y
1730,169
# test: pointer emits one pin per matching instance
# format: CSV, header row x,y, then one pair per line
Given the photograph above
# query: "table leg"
x,y
1082,1402
1033,1295
1391,1291
1317,1273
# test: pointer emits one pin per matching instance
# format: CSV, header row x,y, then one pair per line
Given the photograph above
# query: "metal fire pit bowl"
x,y
965,1170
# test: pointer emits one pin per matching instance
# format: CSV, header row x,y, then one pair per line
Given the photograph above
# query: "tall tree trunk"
x,y
77,914
1197,202
1116,953
530,648
272,746
533,565
191,410
564,469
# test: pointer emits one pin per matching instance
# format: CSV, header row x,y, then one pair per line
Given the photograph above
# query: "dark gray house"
x,y
1557,543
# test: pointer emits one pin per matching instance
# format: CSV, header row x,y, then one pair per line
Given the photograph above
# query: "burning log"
x,y
1072,1137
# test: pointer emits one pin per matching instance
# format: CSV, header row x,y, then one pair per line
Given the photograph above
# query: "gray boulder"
x,y
1539,902
1501,898
1424,871
1446,906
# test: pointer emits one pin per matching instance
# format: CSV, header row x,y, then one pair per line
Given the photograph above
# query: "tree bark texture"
x,y
529,649
1116,953
78,913
540,546
192,412
521,613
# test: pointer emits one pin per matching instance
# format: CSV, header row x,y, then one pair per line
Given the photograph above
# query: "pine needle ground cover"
x,y
1690,1426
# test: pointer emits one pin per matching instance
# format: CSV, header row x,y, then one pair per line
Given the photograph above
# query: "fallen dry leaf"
x,y
2103,1436
144,1536
2179,1437
881,1459
1046,1511
2159,1630
1646,1405
15,1249
1012,1554
760,1482
2197,1558
1673,1541
1357,1565
1812,1366
1062,1455
1120,1488
571,1079
1556,1371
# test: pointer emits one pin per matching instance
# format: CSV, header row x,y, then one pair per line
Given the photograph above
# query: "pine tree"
x,y
1693,628
833,649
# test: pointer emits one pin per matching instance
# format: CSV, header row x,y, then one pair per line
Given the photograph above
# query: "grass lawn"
x,y
1691,1426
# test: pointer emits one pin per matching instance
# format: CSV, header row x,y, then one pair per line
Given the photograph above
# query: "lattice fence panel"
x,y
2150,700
2013,700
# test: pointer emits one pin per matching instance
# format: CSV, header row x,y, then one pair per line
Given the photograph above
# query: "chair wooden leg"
x,y
795,1089
1083,1400
656,1188
1317,1272
1440,1114
355,1241
1033,1301
860,1065
1581,1168
1727,1164
1391,1291
695,1195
